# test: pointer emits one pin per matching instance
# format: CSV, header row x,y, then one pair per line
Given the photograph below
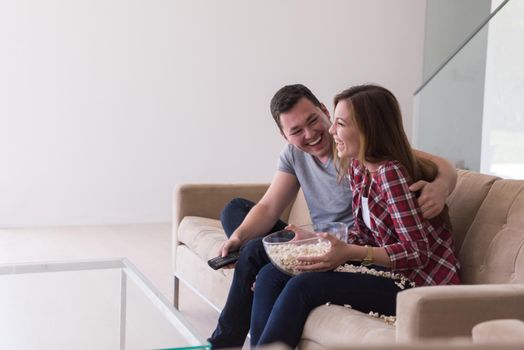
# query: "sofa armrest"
x,y
499,331
208,200
451,311
205,200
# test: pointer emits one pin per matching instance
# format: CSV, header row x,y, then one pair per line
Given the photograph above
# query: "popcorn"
x,y
391,320
388,319
400,280
285,255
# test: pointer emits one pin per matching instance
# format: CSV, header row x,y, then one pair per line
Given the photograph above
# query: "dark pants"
x,y
233,323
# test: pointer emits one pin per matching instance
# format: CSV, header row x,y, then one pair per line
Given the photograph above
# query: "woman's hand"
x,y
338,254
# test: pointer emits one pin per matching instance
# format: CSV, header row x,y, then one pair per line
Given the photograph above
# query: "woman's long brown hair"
x,y
382,137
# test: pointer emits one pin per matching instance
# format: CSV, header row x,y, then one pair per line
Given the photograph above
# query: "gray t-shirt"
x,y
327,199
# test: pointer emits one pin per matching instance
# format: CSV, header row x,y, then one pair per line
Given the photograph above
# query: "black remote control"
x,y
219,262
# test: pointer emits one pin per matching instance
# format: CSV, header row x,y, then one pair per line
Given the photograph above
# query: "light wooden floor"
x,y
148,246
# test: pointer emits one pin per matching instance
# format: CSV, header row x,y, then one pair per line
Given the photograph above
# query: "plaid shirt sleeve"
x,y
412,250
355,236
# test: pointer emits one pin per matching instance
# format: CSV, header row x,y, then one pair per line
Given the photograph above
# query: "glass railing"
x,y
471,110
448,24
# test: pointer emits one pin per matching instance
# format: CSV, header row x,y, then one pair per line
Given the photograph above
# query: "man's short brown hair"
x,y
287,97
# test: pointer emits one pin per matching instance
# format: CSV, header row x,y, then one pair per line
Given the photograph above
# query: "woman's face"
x,y
345,131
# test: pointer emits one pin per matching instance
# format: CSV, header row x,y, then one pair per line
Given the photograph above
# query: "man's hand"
x,y
432,197
231,245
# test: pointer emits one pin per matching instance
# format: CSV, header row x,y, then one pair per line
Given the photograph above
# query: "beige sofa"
x,y
487,214
489,335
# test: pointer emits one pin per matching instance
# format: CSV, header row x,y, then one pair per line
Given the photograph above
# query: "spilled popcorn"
x,y
400,280
388,319
391,320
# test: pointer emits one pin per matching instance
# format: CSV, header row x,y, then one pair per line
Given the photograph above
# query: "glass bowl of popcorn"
x,y
285,246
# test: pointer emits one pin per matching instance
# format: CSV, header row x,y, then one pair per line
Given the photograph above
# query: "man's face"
x,y
306,126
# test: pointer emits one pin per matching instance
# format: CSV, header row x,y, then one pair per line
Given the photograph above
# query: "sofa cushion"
x,y
493,251
201,235
499,331
339,326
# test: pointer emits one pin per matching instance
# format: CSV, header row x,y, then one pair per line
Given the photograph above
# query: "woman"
x,y
389,235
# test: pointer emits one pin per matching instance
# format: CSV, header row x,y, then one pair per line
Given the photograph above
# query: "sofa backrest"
x,y
492,250
464,202
299,213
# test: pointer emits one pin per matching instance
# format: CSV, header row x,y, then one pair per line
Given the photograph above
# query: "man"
x,y
305,162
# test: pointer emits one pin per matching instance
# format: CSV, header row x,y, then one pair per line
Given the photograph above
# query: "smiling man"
x,y
305,162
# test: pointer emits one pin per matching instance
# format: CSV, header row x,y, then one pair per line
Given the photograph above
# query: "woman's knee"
x,y
270,280
268,273
304,288
303,282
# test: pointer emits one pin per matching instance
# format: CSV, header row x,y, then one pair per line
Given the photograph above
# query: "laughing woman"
x,y
390,235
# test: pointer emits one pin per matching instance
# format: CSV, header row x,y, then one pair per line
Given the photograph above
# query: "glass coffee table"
x,y
102,304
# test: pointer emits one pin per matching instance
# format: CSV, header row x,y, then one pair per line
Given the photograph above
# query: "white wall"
x,y
448,24
106,104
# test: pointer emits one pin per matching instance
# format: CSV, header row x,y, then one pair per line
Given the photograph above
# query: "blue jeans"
x,y
233,323
282,303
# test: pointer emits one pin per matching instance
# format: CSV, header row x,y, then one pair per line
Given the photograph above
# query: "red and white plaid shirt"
x,y
419,249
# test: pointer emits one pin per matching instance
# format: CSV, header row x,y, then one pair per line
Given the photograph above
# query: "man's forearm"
x,y
447,174
257,223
